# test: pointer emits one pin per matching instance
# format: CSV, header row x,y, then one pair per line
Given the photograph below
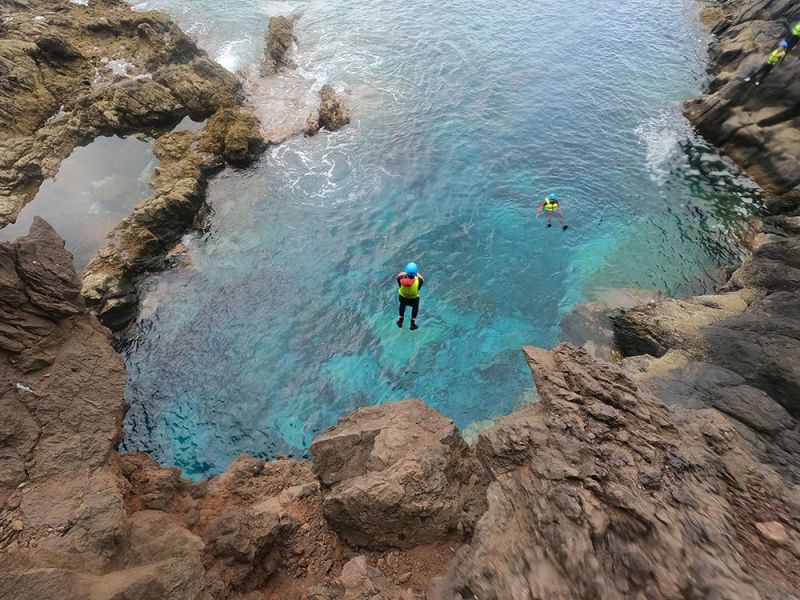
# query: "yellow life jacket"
x,y
776,56
796,30
410,291
550,205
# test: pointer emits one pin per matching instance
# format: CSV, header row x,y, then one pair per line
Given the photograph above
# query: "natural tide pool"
x,y
95,188
465,115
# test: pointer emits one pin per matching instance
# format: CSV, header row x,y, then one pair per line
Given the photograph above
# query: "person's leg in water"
x,y
558,214
414,310
403,304
549,216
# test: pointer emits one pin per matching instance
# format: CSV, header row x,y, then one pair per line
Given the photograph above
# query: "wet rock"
x,y
756,126
567,516
279,38
56,50
393,475
332,114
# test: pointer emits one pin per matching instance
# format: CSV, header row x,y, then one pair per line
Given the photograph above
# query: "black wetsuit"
x,y
412,302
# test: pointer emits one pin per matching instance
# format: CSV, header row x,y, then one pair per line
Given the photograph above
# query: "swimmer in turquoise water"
x,y
551,209
409,282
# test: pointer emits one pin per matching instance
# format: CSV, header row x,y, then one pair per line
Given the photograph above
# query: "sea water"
x,y
465,114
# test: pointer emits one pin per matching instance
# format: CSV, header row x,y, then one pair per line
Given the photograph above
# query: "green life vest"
x,y
550,205
411,291
796,30
776,56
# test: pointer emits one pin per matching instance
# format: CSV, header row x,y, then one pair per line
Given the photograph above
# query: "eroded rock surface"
x,y
72,73
394,475
601,491
756,126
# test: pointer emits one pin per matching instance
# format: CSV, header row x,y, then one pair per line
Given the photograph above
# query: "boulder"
x,y
393,475
332,113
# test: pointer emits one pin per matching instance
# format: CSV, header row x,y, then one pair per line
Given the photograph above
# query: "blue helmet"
x,y
552,197
412,268
784,44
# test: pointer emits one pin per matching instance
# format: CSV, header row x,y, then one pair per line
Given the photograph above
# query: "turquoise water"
x,y
465,115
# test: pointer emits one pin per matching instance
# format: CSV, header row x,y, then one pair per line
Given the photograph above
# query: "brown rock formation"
x,y
394,486
70,73
756,126
600,491
737,351
279,38
332,114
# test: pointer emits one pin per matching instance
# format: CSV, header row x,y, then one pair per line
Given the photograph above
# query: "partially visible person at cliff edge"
x,y
774,58
794,37
551,209
409,282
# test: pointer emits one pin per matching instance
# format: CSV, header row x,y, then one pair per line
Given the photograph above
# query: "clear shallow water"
x,y
465,115
94,189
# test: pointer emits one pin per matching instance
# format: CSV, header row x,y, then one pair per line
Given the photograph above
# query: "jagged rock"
x,y
679,379
568,516
756,126
393,475
279,38
332,114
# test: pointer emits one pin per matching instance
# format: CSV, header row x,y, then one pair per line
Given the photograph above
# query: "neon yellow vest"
x,y
796,30
550,205
411,291
776,56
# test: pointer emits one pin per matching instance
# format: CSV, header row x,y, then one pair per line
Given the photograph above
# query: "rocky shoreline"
x,y
599,490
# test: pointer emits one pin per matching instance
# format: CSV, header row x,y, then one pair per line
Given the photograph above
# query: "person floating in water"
x,y
409,282
551,209
774,58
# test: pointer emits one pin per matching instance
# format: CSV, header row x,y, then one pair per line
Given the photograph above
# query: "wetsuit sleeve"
x,y
421,281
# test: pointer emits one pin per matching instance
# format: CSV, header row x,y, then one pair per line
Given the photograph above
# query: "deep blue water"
x,y
465,115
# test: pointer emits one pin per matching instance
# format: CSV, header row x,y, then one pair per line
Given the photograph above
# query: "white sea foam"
x,y
661,136
231,53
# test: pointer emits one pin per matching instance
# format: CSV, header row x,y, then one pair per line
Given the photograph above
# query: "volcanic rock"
x,y
393,475
570,517
279,38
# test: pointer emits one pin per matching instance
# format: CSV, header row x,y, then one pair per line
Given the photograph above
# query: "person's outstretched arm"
x,y
421,280
539,210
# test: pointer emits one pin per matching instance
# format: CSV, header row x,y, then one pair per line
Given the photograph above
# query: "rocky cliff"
x,y
600,490
756,126
738,351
